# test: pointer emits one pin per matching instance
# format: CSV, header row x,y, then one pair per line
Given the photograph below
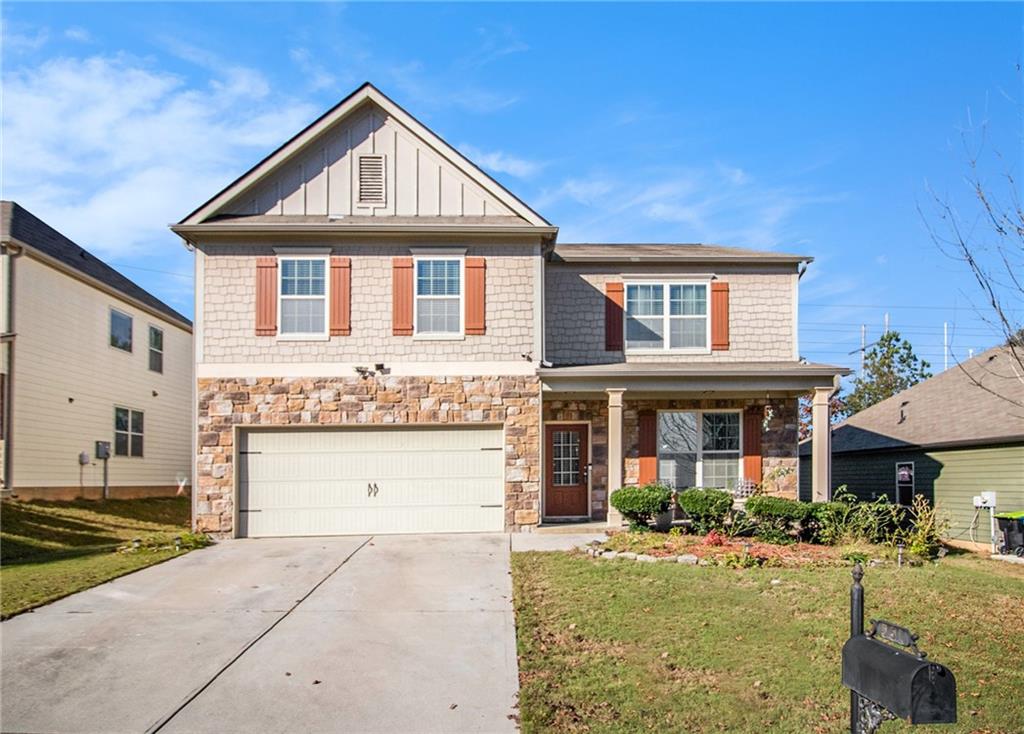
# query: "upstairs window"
x,y
120,330
128,430
667,316
303,296
156,349
438,302
371,180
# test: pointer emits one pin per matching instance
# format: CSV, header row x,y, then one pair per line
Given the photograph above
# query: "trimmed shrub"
x,y
639,504
780,520
706,508
779,509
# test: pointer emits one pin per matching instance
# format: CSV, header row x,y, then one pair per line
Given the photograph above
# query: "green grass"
x,y
51,549
621,646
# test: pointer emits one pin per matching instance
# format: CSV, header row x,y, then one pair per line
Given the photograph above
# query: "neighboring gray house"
x,y
388,340
946,438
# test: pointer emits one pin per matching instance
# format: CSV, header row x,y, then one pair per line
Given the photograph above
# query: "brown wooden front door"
x,y
566,446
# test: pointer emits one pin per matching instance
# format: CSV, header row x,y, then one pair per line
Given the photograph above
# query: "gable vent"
x,y
371,180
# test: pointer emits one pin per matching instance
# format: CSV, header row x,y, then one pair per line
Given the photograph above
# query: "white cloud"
x,y
317,77
429,91
110,150
720,204
18,38
76,33
501,162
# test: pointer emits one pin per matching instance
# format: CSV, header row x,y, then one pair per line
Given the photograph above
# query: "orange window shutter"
x,y
753,465
613,300
266,296
341,296
401,296
719,316
648,447
476,306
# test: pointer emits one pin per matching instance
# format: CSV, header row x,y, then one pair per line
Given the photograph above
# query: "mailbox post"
x,y
888,676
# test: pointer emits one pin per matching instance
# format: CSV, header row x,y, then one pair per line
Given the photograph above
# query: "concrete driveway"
x,y
354,634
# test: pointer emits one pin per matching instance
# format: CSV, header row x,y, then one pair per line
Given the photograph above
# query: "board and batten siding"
x,y
949,477
322,179
68,380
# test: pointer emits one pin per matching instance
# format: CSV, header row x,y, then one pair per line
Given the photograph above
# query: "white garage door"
x,y
370,480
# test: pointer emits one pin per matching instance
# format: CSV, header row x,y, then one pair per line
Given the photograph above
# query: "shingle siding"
x,y
230,308
760,313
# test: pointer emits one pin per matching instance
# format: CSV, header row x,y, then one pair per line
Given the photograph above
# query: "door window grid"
x,y
565,446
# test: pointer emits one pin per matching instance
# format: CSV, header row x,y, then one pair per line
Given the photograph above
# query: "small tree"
x,y
837,411
890,367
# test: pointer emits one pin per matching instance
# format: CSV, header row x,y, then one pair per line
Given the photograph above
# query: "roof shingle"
x,y
18,223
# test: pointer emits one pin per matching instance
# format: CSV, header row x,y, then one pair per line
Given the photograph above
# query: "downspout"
x,y
8,336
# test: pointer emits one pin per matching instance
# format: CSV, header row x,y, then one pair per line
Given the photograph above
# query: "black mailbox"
x,y
906,684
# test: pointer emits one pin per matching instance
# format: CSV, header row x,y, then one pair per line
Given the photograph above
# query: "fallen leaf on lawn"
x,y
664,655
572,626
757,684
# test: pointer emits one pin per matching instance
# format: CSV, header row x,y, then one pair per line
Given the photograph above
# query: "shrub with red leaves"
x,y
715,538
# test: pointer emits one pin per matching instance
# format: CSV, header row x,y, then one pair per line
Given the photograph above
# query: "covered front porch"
x,y
734,427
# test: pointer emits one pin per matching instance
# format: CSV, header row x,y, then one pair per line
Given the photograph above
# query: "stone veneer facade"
x,y
779,460
778,443
225,404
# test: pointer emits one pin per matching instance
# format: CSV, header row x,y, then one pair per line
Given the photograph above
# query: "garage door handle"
x,y
492,505
250,510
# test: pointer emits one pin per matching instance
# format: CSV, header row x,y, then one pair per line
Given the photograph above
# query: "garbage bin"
x,y
1011,525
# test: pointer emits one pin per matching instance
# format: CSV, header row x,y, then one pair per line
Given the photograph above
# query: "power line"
x,y
152,270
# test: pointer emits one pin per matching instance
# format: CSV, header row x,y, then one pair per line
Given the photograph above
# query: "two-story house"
x,y
388,340
86,356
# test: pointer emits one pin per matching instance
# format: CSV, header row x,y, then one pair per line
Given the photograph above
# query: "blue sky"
x,y
811,128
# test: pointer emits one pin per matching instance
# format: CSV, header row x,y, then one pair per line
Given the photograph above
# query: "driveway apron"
x,y
391,633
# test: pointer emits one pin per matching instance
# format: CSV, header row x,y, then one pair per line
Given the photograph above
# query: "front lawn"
x,y
622,646
51,549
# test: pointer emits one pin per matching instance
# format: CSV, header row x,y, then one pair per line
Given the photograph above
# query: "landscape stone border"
x,y
596,551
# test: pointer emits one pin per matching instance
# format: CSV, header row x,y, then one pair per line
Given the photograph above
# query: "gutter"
x,y
184,230
13,251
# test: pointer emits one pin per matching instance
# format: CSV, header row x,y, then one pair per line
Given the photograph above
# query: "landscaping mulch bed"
x,y
715,549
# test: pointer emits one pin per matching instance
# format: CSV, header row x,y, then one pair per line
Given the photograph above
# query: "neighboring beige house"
x,y
388,340
87,356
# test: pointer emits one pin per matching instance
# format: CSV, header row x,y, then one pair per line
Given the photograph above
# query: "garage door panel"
x,y
371,480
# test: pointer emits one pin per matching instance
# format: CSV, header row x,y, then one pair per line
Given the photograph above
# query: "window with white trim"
x,y
128,432
699,448
120,330
156,349
303,296
438,302
667,316
904,482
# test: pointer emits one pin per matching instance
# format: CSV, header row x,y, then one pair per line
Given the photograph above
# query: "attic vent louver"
x,y
371,180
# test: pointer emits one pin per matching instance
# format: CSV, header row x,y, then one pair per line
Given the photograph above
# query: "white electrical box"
x,y
985,500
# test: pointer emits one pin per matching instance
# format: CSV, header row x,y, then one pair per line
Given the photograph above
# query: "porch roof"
x,y
675,377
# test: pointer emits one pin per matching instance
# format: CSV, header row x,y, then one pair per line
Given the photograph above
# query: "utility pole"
x,y
886,331
863,346
945,345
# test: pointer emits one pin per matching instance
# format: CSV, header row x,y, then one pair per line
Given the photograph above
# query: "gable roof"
x,y
652,253
365,93
949,409
21,226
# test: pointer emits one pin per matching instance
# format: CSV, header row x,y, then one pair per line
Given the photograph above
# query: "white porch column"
x,y
614,451
821,445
